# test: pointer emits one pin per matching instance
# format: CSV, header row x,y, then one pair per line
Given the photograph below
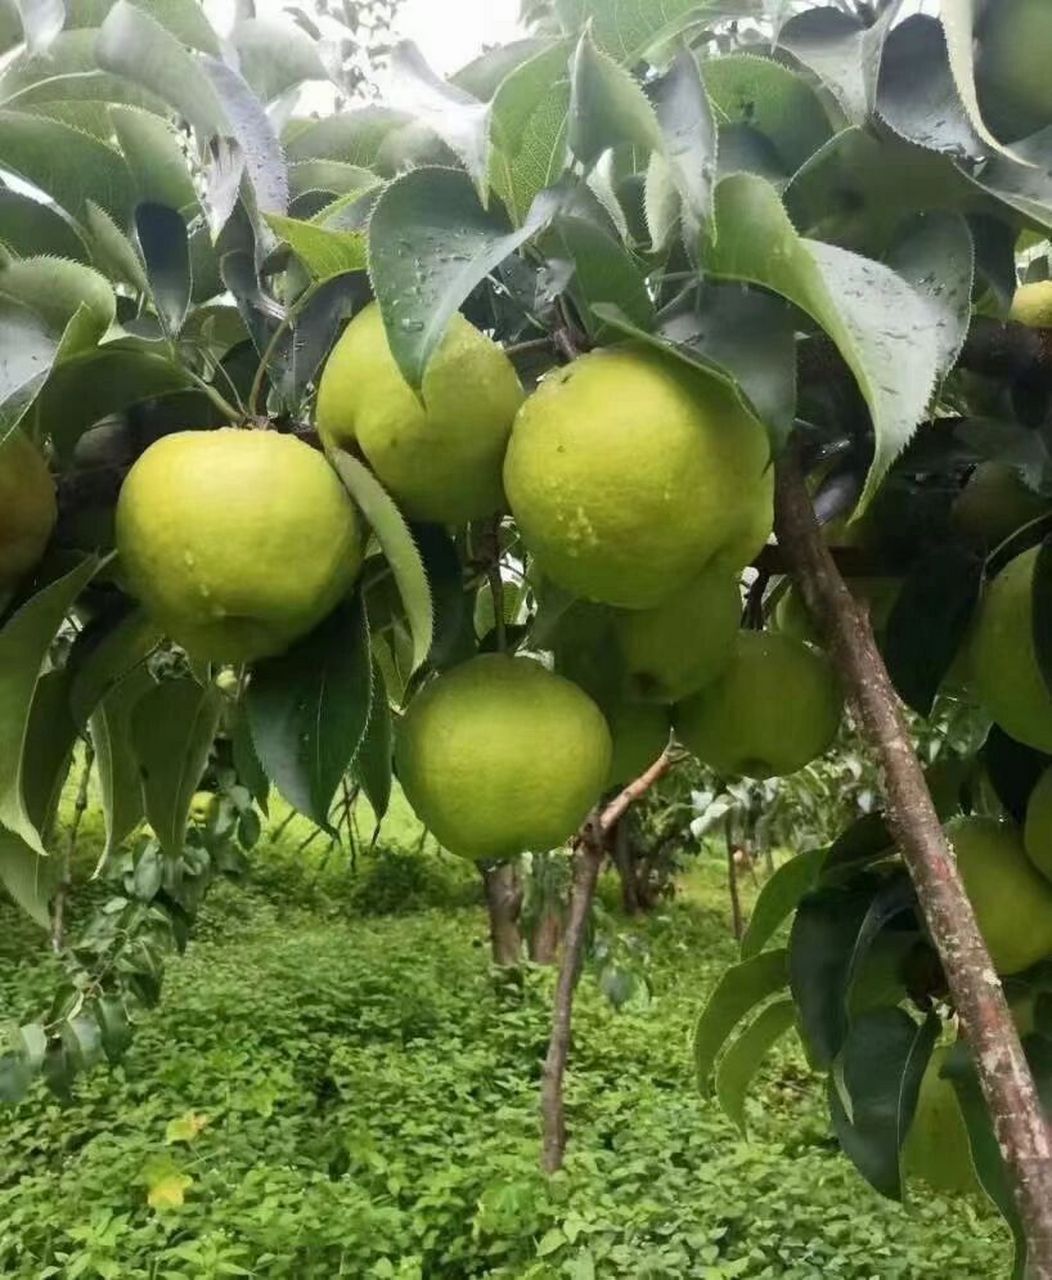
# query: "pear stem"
x,y
1021,1129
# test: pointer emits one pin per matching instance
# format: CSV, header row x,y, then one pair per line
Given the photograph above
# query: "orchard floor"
x,y
335,1091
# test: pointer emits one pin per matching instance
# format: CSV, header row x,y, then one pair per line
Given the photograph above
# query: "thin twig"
x,y
1020,1126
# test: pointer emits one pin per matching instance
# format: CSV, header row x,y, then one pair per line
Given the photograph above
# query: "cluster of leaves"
x,y
317,1093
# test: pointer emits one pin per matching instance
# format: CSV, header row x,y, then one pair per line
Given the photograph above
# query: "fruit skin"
x,y
628,473
775,708
792,617
937,1147
440,459
204,805
994,503
1003,663
237,542
680,646
28,510
499,755
640,732
1037,830
1032,304
1012,67
1012,901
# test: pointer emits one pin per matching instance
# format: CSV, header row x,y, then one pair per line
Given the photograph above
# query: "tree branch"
x,y
1022,1133
589,852
80,804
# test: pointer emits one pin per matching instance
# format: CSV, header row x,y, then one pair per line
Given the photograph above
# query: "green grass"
x,y
366,1099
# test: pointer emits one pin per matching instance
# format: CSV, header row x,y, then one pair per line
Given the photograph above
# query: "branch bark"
x,y
503,903
589,851
80,804
1022,1132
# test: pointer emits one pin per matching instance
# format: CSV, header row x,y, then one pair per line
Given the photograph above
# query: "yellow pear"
x,y
937,1149
236,542
1037,831
439,454
203,808
1015,37
499,755
1012,900
27,508
680,646
994,503
774,709
1032,304
628,473
1003,662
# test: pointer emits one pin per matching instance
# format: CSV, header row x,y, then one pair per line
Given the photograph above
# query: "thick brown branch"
x,y
1021,1129
504,906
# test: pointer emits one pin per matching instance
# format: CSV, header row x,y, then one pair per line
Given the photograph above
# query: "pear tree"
x,y
677,379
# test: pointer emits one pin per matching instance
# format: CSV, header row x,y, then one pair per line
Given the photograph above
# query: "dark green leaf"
x,y
397,544
605,274
48,749
120,785
173,725
104,653
865,840
688,131
250,772
779,897
247,121
308,710
373,763
821,949
929,622
842,52
453,243
445,577
740,989
1041,594
959,18
626,32
881,1067
935,254
745,1055
15,1078
608,108
27,877
155,158
166,252
24,643
114,1028
29,228
275,56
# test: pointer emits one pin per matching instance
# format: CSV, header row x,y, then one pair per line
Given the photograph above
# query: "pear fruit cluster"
x,y
28,509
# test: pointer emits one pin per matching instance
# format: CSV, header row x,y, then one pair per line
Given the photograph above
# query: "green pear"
x,y
628,473
937,1149
640,732
680,646
775,708
793,618
27,508
585,651
499,755
1037,830
994,503
1011,899
440,454
1015,90
237,542
1003,663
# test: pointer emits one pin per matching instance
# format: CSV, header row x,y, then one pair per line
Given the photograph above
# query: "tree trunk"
x,y
504,902
1008,1087
545,936
624,864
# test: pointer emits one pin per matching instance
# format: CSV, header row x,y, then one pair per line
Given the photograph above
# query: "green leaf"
x,y
374,761
308,710
959,19
879,323
453,244
27,349
71,166
450,112
779,898
821,951
352,137
689,140
330,175
24,644
120,784
396,542
42,20
112,252
880,1069
740,988
74,302
114,1028
325,252
929,622
105,652
250,773
154,158
165,249
29,229
90,387
530,111
48,750
772,100
627,32
68,77
842,52
605,275
608,108
745,1055
28,879
173,725
275,56
247,120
